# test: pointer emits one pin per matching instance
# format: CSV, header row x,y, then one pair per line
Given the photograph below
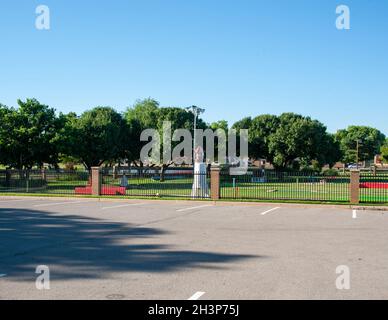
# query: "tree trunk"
x,y
162,172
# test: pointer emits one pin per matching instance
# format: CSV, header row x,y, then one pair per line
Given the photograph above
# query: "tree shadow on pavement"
x,y
82,247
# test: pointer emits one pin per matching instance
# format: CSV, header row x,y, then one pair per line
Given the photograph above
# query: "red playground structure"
x,y
374,185
105,190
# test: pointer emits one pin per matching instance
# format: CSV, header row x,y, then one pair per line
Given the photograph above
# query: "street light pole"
x,y
196,111
195,129
358,152
200,187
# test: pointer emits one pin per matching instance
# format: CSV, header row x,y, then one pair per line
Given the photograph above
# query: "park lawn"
x,y
337,192
374,195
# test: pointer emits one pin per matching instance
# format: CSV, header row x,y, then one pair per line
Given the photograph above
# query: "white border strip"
x,y
123,205
193,208
58,203
17,200
270,210
354,216
196,295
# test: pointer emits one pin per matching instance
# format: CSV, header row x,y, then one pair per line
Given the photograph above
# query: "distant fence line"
x,y
257,184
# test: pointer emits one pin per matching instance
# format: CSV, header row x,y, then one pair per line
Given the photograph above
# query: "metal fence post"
x,y
96,181
8,177
355,187
215,182
44,176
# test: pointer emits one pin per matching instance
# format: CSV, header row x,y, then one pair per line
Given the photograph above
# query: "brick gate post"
x,y
96,181
355,187
215,173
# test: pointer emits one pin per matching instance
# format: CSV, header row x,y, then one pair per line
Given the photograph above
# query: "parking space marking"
x,y
58,203
270,210
193,208
196,295
123,205
16,200
354,214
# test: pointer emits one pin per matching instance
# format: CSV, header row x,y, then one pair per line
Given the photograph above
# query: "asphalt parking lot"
x,y
139,249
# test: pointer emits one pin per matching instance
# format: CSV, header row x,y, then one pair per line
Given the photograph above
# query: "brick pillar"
x,y
215,182
96,181
355,187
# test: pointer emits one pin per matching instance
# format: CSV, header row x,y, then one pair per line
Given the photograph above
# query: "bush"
x,y
331,173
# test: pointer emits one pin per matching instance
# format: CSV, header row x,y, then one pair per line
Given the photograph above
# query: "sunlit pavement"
x,y
139,249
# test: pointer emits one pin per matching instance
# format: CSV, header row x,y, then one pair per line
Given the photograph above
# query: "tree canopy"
x,y
98,135
384,151
33,135
283,139
27,135
369,141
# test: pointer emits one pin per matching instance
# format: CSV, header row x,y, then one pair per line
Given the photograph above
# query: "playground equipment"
x,y
374,185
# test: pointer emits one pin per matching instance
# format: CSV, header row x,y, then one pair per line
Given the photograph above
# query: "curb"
x,y
216,203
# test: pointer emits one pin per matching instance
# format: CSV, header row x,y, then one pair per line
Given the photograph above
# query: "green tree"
x,y
331,152
283,140
145,112
141,116
27,135
97,136
244,123
384,151
369,142
298,137
261,130
148,114
221,124
180,119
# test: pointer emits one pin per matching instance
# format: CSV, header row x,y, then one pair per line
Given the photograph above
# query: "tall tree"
x,y
359,142
221,124
148,114
262,128
281,140
97,136
297,137
145,112
180,119
27,135
384,151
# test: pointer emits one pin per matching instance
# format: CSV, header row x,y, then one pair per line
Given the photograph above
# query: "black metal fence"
x,y
259,184
256,184
42,181
171,182
374,187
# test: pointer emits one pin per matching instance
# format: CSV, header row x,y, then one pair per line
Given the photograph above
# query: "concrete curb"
x,y
216,203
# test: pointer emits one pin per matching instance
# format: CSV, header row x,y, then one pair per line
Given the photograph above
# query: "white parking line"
x,y
268,211
193,208
16,200
58,203
354,214
123,205
197,295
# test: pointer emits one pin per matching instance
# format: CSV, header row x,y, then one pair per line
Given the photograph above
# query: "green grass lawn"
x,y
337,192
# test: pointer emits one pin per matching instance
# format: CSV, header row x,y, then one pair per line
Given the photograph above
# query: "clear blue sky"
x,y
235,58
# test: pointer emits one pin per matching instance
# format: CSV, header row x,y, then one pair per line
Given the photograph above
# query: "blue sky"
x,y
234,58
